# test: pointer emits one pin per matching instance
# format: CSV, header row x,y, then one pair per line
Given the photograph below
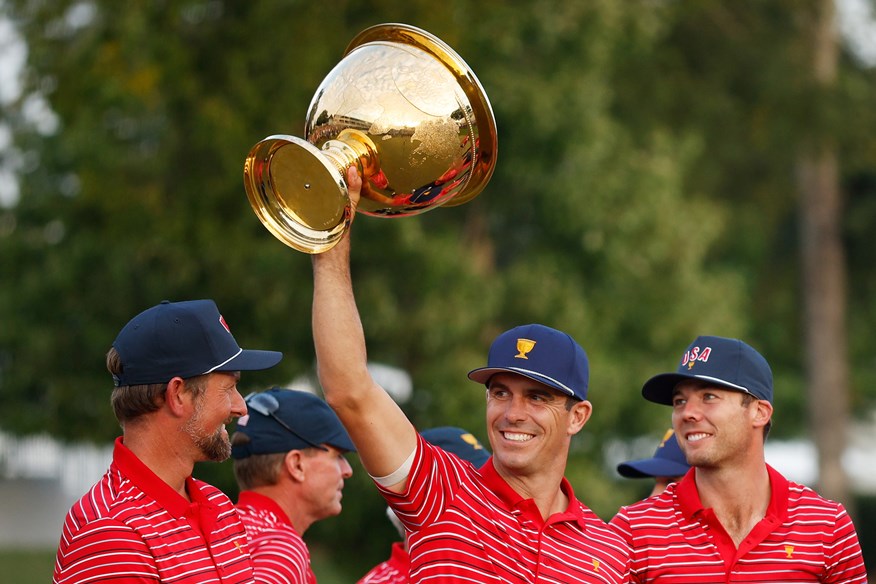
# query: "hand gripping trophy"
x,y
407,111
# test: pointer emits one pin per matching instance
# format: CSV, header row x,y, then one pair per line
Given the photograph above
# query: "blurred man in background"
x,y
175,368
667,465
289,461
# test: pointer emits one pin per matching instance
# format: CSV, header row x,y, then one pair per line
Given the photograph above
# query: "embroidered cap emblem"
x,y
524,346
666,437
472,441
224,324
695,354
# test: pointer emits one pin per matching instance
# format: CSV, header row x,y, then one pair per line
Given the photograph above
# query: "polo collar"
x,y
689,498
527,507
152,485
263,503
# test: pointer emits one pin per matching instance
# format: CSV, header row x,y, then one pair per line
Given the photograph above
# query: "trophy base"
x,y
297,193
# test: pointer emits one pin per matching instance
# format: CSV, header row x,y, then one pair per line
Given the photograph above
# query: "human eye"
x,y
678,401
498,393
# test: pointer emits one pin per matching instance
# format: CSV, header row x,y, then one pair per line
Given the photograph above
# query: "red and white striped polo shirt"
x,y
392,571
803,538
469,525
133,527
279,555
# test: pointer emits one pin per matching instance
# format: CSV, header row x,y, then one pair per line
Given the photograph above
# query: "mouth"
x,y
518,437
696,436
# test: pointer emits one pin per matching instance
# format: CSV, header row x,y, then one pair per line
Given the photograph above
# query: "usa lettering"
x,y
695,355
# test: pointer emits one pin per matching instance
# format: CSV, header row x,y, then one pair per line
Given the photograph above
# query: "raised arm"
x,y
382,433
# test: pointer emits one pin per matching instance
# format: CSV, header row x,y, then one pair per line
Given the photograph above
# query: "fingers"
x,y
354,185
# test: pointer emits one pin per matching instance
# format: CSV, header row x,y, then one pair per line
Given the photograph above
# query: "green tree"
x,y
644,194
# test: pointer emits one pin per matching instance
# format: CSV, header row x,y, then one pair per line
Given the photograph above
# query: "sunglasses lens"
x,y
263,403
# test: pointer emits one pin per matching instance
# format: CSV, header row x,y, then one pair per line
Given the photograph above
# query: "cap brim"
x,y
252,360
659,388
483,375
651,467
341,441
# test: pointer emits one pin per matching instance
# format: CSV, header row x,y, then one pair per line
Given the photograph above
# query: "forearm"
x,y
338,335
382,433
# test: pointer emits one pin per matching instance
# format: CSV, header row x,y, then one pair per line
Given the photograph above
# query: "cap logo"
x,y
472,441
666,437
524,346
224,324
695,354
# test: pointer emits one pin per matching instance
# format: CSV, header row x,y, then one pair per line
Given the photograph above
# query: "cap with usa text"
x,y
719,361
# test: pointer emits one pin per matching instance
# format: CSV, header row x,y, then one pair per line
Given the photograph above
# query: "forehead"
x,y
515,381
224,377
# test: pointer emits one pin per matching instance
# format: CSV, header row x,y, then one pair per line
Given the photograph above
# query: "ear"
x,y
295,465
763,413
578,416
176,398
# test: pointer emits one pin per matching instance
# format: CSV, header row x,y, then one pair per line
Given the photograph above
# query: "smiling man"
x,y
732,518
516,519
175,369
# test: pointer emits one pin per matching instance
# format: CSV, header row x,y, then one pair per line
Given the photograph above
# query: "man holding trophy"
x,y
400,126
517,518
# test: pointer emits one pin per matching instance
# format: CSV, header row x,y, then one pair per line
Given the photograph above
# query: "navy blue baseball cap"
x,y
668,461
182,339
460,442
280,420
719,361
540,353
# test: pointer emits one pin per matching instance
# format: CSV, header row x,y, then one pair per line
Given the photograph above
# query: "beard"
x,y
215,447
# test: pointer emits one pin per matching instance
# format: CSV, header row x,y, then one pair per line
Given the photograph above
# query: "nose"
x,y
238,406
516,409
690,410
346,469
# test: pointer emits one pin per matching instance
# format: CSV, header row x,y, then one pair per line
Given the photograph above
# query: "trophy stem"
x,y
353,147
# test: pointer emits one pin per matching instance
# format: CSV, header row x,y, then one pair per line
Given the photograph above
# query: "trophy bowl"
x,y
407,111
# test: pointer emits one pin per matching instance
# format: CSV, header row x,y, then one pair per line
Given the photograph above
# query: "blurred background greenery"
x,y
665,169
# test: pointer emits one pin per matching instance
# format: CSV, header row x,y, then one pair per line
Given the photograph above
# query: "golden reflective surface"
x,y
404,108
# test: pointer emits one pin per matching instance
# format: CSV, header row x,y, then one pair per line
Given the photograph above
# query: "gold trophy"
x,y
407,111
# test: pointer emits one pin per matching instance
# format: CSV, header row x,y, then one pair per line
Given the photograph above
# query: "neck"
x,y
163,453
545,490
739,497
283,495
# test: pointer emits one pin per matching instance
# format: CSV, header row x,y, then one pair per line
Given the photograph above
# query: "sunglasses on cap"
x,y
267,405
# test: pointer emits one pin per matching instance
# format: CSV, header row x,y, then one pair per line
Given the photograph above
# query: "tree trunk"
x,y
824,278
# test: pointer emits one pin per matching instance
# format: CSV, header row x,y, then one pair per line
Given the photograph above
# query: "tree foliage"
x,y
643,195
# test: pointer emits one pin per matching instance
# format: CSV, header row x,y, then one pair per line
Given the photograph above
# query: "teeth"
x,y
696,437
516,437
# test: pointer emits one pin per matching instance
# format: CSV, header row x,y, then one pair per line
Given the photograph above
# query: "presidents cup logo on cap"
x,y
523,347
542,354
717,361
